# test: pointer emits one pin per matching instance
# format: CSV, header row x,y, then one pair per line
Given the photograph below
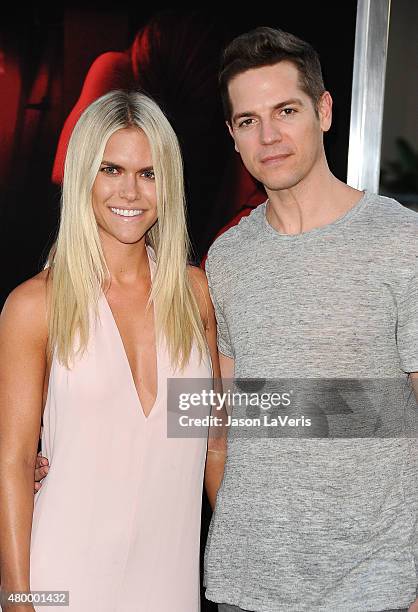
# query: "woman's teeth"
x,y
127,213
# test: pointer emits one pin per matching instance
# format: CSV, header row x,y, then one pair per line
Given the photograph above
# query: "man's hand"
x,y
41,470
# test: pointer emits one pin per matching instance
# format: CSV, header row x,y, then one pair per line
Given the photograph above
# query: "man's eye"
x,y
245,123
288,111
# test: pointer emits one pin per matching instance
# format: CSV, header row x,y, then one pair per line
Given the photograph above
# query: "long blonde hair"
x,y
76,261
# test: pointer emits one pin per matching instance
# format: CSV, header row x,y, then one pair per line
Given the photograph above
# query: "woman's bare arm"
x,y
217,442
217,446
23,338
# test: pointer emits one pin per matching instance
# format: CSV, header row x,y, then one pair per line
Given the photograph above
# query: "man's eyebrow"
x,y
275,107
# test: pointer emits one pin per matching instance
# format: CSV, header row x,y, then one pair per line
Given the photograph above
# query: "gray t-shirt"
x,y
320,524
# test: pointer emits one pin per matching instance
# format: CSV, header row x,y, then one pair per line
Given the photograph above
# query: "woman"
x,y
94,337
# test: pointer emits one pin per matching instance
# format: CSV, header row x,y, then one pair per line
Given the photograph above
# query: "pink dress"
x,y
117,521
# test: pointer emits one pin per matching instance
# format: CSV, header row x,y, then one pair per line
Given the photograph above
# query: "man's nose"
x,y
270,132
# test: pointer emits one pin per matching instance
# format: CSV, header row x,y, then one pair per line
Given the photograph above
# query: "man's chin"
x,y
279,181
281,185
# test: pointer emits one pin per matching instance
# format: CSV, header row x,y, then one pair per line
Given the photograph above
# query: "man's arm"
x,y
41,470
414,379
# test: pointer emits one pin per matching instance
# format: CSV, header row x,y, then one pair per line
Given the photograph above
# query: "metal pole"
x,y
369,71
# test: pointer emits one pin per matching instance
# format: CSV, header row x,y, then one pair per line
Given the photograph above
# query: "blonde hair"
x,y
77,262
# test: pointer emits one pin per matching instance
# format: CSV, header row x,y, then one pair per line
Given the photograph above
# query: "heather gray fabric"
x,y
228,608
324,525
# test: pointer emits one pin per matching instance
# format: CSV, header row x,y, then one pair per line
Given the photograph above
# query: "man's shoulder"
x,y
393,226
388,211
234,239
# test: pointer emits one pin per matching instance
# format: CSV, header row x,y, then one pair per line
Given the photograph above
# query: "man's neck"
x,y
310,204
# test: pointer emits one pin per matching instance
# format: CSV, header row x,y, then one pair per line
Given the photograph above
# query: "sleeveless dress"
x,y
117,521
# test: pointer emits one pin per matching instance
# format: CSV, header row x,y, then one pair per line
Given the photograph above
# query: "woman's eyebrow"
x,y
119,167
109,163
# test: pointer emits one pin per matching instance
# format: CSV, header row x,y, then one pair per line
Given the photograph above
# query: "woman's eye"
x,y
109,170
114,171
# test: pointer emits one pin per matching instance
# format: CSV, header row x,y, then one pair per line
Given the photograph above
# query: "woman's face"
x,y
124,194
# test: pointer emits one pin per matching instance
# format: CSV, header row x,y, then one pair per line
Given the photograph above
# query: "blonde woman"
x,y
93,339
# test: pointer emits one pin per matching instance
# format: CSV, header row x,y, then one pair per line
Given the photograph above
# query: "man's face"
x,y
274,125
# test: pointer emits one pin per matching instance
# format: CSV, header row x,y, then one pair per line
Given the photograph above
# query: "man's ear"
x,y
325,111
228,125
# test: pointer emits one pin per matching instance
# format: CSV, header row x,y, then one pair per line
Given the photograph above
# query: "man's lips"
x,y
271,159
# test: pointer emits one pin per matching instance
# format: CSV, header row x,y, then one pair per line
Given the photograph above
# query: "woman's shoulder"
x,y
32,290
26,306
199,284
198,279
196,273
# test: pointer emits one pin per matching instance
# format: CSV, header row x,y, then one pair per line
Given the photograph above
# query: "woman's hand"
x,y
41,470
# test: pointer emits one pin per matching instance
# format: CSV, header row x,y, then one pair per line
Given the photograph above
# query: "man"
x,y
318,282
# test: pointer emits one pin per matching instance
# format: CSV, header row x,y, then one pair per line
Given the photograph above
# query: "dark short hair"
x,y
264,47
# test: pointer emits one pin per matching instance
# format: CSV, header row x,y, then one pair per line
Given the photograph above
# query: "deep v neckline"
x,y
125,355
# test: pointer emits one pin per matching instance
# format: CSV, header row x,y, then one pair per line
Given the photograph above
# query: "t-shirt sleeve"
x,y
222,331
407,336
